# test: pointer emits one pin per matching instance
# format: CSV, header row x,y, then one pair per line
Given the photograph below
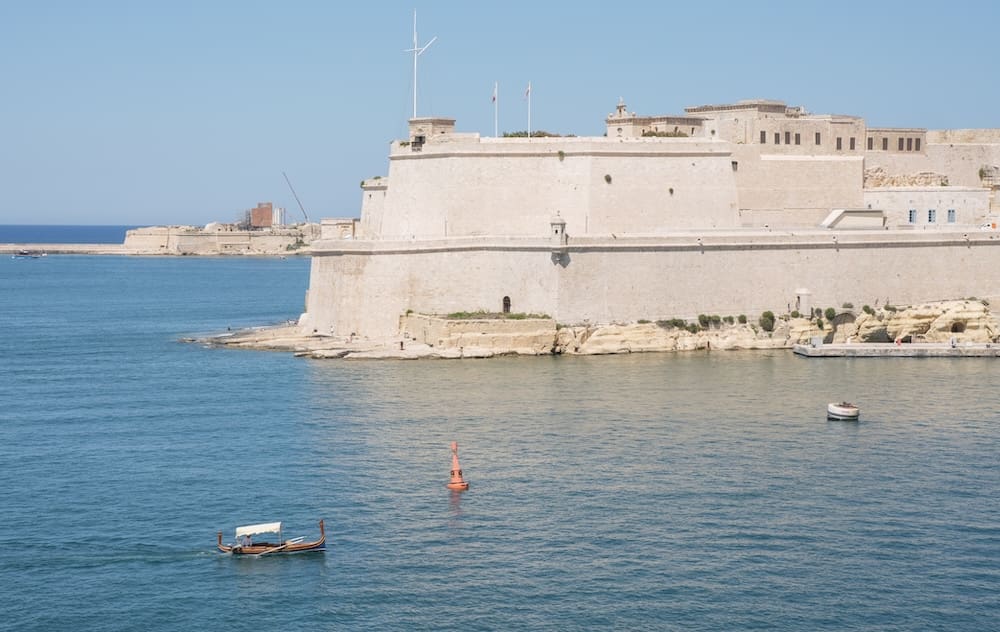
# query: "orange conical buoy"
x,y
456,482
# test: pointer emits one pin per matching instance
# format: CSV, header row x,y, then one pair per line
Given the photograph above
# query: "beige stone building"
x,y
726,209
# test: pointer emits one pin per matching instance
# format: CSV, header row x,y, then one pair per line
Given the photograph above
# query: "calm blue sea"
x,y
701,491
62,234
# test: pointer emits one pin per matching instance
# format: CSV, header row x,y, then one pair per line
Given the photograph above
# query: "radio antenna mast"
x,y
296,196
416,50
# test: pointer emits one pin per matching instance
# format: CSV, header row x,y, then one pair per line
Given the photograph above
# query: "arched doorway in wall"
x,y
506,305
958,327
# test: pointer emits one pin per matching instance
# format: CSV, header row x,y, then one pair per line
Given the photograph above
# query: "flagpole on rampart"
x,y
416,50
496,109
528,94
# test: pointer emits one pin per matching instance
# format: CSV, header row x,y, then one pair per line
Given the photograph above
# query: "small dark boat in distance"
x,y
27,254
245,545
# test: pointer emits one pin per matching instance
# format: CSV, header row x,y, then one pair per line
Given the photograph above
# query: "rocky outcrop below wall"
x,y
648,337
877,177
966,321
481,337
424,336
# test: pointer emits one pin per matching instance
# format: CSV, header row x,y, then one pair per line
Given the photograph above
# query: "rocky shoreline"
x,y
963,321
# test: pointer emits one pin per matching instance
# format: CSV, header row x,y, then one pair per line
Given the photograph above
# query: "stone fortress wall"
x,y
219,239
724,220
364,290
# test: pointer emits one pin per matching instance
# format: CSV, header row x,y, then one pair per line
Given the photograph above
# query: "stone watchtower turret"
x,y
558,233
558,238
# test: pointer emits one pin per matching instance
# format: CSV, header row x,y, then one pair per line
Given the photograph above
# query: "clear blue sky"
x,y
185,112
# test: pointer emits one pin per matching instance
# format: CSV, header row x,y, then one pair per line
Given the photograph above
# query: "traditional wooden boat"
x,y
844,411
246,545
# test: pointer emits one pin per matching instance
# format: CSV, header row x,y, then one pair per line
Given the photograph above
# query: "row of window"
x,y
788,138
932,216
905,144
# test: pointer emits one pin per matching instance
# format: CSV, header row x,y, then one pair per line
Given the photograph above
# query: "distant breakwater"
x,y
66,249
121,249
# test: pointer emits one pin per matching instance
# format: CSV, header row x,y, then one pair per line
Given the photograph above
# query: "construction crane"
x,y
296,196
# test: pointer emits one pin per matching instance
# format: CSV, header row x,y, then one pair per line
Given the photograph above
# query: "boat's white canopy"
x,y
254,529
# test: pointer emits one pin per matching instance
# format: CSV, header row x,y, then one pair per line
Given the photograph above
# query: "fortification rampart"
x,y
652,225
514,188
979,136
189,240
958,164
364,287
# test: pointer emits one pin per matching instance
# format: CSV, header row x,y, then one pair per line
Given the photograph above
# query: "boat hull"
x,y
276,548
842,412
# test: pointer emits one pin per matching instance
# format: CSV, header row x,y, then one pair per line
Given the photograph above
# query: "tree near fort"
x,y
767,321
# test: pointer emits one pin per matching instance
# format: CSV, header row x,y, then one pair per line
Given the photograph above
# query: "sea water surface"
x,y
698,491
62,234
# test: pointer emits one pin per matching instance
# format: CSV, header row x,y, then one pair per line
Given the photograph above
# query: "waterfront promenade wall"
x,y
363,288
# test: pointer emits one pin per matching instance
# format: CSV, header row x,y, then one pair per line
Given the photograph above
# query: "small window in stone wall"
x,y
777,138
798,138
885,144
817,138
871,143
909,144
951,216
840,143
916,144
506,305
763,138
931,216
852,143
901,141
913,216
788,138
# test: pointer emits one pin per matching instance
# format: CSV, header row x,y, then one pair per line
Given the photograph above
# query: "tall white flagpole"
x,y
496,110
528,94
416,50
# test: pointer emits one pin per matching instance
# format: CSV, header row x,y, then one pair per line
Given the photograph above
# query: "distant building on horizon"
x,y
266,215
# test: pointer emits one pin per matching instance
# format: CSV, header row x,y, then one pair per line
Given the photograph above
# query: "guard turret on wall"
x,y
558,238
558,234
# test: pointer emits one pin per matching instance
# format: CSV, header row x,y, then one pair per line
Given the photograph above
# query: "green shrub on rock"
x,y
767,321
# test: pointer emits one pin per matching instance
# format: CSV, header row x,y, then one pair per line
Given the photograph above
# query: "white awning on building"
x,y
254,529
